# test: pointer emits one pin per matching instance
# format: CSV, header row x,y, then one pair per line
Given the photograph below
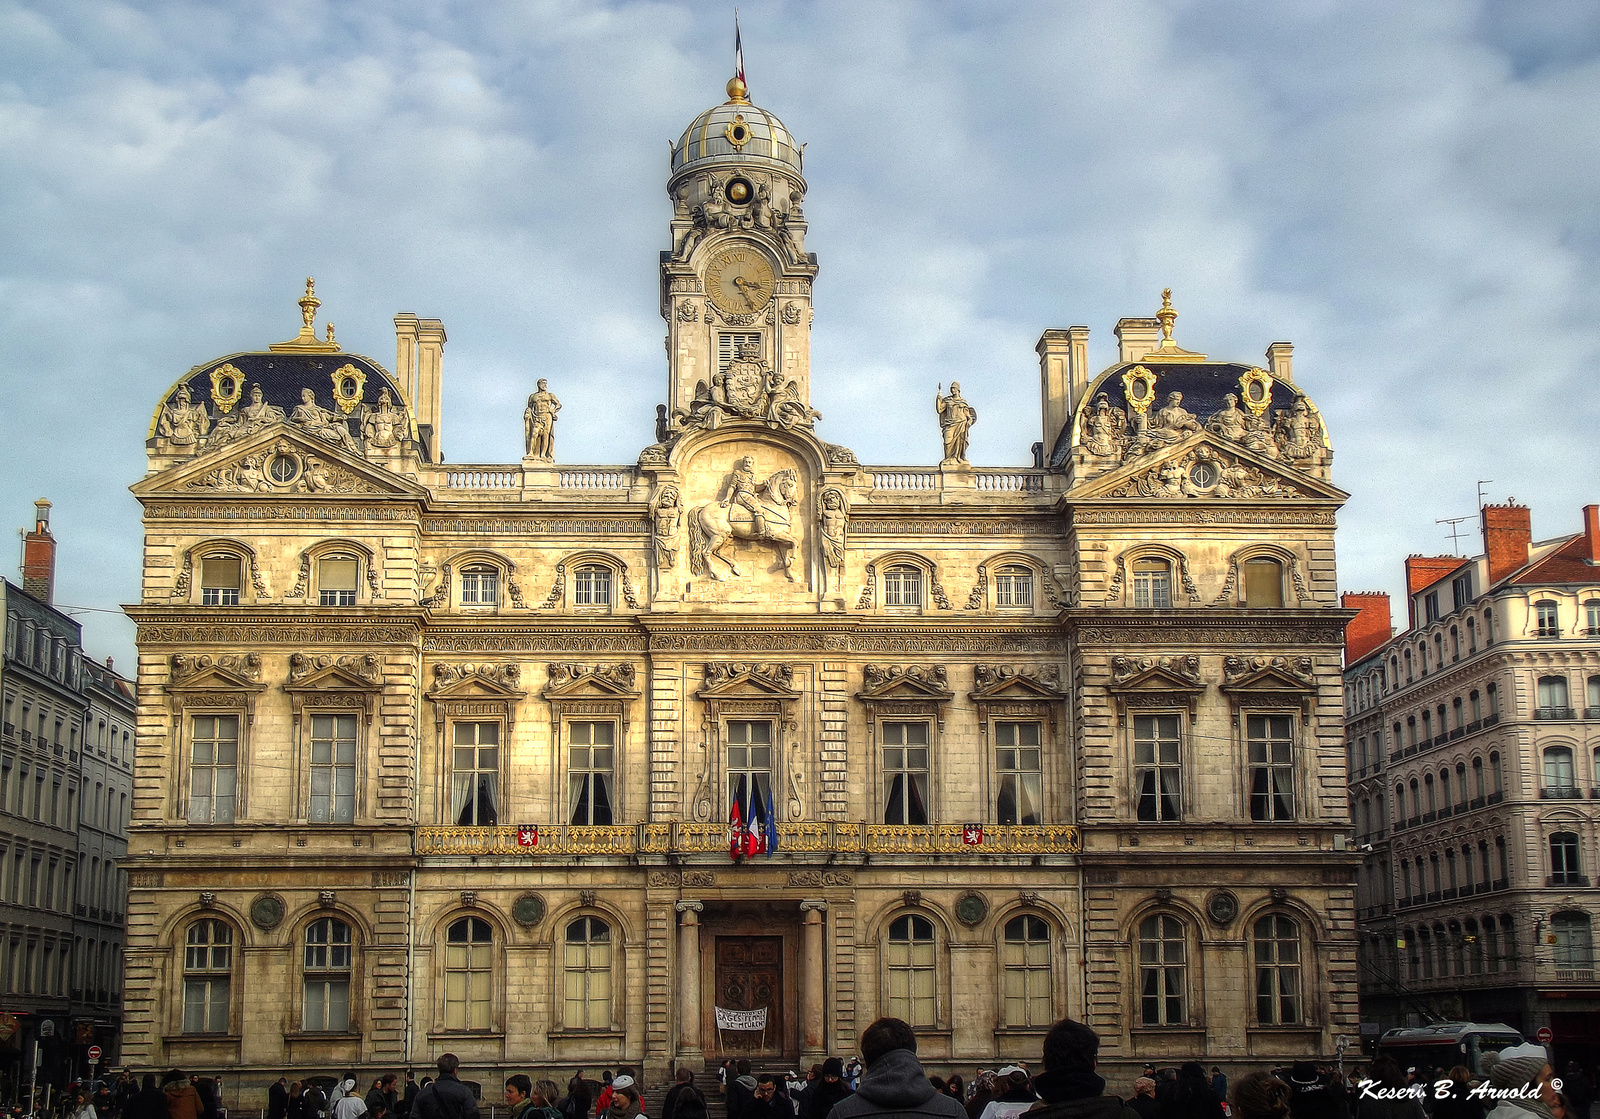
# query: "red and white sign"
x,y
527,835
94,1053
1545,1036
972,834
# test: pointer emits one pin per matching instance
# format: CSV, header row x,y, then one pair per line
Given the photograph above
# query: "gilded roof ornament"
x,y
307,341
1168,350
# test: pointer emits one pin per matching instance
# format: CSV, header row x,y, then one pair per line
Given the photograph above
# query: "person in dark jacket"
x,y
278,1099
765,1103
894,1082
684,1081
1144,1098
1580,1094
382,1094
827,1090
1191,1098
446,1097
1460,1103
149,1102
1219,1084
1312,1097
403,1106
1069,1085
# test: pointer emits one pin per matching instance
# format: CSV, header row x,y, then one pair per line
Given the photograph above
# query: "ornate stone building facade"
x,y
443,757
1474,741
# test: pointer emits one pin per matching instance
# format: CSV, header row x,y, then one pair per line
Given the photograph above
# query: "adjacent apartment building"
x,y
1474,753
65,778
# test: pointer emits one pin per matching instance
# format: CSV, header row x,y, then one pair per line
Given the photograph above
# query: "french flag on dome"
x,y
738,51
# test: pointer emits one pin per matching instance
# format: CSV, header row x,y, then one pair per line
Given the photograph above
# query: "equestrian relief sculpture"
x,y
751,511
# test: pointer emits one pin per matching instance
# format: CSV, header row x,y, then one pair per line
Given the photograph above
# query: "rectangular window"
x,y
591,586
1591,618
213,769
1020,796
333,769
902,586
905,773
1013,587
591,748
1263,583
480,586
475,775
1461,590
1547,620
219,581
336,581
1430,606
1271,748
728,347
749,763
1152,584
1157,773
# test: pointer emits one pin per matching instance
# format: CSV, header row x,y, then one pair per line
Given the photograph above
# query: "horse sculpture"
x,y
715,527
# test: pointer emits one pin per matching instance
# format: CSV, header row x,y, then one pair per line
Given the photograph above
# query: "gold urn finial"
x,y
737,90
307,339
1168,350
309,302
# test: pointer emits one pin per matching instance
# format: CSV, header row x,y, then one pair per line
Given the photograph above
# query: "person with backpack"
x,y
446,1097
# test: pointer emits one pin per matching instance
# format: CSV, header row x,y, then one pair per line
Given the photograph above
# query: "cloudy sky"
x,y
1407,191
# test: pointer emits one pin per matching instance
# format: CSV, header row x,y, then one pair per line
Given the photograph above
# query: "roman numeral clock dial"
x,y
739,281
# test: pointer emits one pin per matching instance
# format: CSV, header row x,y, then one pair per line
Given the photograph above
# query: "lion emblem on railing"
x,y
758,512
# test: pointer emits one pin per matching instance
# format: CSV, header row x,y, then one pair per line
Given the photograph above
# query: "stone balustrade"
x,y
804,837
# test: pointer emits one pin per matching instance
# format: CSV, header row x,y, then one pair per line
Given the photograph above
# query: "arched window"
x,y
1564,868
1013,586
1455,644
902,586
1574,946
1263,582
1472,635
1444,788
1026,979
1409,676
480,585
1405,878
912,966
336,580
468,975
1496,778
1425,950
1277,942
1552,698
1477,779
327,975
1466,869
586,975
1163,971
1427,785
1152,584
591,585
1558,776
207,977
219,580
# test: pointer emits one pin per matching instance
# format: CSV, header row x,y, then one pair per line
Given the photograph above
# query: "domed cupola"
x,y
735,133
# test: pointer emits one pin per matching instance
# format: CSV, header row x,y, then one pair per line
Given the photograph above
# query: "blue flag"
x,y
772,826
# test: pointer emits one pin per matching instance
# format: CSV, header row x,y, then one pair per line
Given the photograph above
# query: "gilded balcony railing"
x,y
806,837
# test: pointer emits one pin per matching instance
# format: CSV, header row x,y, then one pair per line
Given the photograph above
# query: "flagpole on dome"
x,y
738,88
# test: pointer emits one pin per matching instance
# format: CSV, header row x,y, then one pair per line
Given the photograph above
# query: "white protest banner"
x,y
741,1019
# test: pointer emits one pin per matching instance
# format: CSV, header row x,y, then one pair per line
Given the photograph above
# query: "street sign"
x,y
1545,1035
94,1053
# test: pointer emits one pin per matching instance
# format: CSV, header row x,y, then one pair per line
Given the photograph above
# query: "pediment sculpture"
x,y
751,510
750,390
1204,472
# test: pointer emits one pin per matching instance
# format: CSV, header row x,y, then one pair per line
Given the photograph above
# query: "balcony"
x,y
1397,755
1459,732
1574,974
1552,713
1429,817
1560,792
1495,798
623,841
26,737
1446,811
11,730
1498,884
1475,726
1567,880
1477,802
1591,712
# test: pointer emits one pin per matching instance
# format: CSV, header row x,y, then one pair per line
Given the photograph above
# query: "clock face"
x,y
739,281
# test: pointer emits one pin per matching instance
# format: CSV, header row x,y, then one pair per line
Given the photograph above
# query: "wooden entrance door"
x,y
750,977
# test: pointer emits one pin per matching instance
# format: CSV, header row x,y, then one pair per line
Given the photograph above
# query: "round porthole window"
x,y
1204,475
283,469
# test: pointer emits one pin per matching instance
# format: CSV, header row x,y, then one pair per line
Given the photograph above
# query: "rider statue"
x,y
742,492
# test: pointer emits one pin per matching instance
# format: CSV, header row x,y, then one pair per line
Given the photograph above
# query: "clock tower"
x,y
736,283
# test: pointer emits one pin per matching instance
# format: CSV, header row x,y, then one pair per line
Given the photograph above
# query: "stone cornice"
x,y
164,625
1211,628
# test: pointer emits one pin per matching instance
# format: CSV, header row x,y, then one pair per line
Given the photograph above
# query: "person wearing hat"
x,y
828,1091
1524,1072
1015,1094
1311,1097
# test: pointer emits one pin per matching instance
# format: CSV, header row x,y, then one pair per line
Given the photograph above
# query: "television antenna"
x,y
1481,483
1455,530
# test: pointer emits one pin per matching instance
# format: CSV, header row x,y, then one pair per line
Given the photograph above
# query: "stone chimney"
x,y
429,400
1591,531
1507,537
1136,338
1280,361
1371,626
1063,377
405,356
39,556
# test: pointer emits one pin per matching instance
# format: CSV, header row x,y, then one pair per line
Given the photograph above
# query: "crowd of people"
x,y
888,1080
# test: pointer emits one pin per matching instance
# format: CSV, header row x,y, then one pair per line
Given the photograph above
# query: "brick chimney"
x,y
1591,531
1507,537
1370,628
1422,571
39,556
